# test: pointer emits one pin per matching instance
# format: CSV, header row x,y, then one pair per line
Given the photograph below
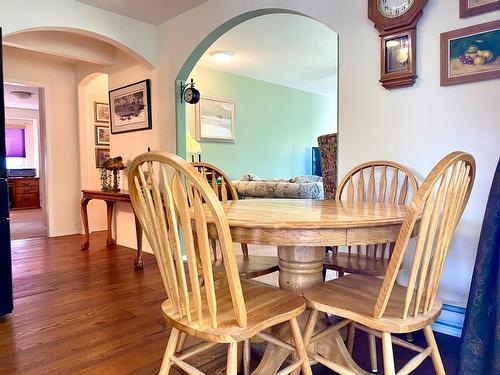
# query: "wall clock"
x,y
189,93
396,22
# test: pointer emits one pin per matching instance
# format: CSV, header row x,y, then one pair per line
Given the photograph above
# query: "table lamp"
x,y
192,146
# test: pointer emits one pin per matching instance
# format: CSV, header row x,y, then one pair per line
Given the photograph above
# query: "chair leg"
x,y
232,359
244,250
388,354
213,242
310,325
351,333
246,357
373,352
300,347
171,346
181,342
436,357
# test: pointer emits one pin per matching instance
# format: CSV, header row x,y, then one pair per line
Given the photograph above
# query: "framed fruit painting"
x,y
470,54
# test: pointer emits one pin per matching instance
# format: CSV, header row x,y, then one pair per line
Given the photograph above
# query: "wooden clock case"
x,y
392,28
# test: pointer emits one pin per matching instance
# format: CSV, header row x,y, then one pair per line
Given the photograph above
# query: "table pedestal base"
x,y
301,267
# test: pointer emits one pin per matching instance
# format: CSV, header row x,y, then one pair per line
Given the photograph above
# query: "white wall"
x,y
415,126
129,145
63,178
94,91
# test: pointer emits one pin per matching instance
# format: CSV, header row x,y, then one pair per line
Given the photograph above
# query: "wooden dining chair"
x,y
216,310
248,267
379,181
381,306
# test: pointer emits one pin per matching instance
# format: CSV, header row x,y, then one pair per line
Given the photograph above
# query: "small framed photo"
x,y
101,112
102,135
101,154
470,54
470,8
131,107
215,119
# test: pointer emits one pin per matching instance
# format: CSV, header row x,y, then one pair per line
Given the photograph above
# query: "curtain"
x,y
480,351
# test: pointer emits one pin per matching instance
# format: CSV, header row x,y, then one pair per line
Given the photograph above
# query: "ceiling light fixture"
x,y
23,95
222,55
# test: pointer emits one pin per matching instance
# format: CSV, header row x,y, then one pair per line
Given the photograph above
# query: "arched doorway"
x,y
229,28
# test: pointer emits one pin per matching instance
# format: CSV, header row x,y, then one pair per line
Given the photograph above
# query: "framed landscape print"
x,y
101,135
130,107
215,119
101,154
470,54
101,112
472,7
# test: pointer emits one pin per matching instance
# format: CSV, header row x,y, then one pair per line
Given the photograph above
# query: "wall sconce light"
x,y
189,94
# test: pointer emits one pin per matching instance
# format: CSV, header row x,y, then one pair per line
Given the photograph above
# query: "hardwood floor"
x,y
27,224
90,313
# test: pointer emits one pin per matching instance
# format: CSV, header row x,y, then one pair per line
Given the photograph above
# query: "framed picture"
x,y
101,154
101,112
131,107
101,135
472,7
470,54
215,119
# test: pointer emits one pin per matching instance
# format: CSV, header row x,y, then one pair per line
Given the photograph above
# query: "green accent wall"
x,y
275,126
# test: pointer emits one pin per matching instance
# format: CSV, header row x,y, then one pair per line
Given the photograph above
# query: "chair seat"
x,y
251,267
354,297
356,263
266,307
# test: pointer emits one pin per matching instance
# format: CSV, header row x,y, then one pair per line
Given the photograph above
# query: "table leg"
x,y
109,208
301,267
138,261
85,220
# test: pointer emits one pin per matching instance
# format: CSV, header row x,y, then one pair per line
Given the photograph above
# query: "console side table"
x,y
110,198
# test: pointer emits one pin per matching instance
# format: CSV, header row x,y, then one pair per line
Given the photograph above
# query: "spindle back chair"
x,y
174,205
381,306
379,181
249,267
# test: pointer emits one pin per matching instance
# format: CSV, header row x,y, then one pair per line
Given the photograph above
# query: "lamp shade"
x,y
15,141
192,145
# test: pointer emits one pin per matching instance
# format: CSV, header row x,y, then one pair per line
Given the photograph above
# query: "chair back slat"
x,y
436,208
361,187
394,186
350,190
370,198
172,222
181,204
383,185
374,190
186,204
204,253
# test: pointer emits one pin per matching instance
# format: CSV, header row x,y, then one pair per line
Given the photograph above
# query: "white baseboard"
x,y
451,321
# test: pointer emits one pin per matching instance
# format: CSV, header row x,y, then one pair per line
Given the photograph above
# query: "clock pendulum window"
x,y
396,22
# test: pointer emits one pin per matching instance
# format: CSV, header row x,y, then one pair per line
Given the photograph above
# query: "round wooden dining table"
x,y
301,228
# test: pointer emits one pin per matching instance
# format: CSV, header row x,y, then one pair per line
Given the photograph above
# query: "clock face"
x,y
393,8
188,95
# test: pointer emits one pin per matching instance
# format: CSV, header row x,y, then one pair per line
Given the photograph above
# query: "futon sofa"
x,y
300,187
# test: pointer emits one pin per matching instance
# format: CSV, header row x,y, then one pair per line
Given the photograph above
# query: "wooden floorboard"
x,y
91,313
